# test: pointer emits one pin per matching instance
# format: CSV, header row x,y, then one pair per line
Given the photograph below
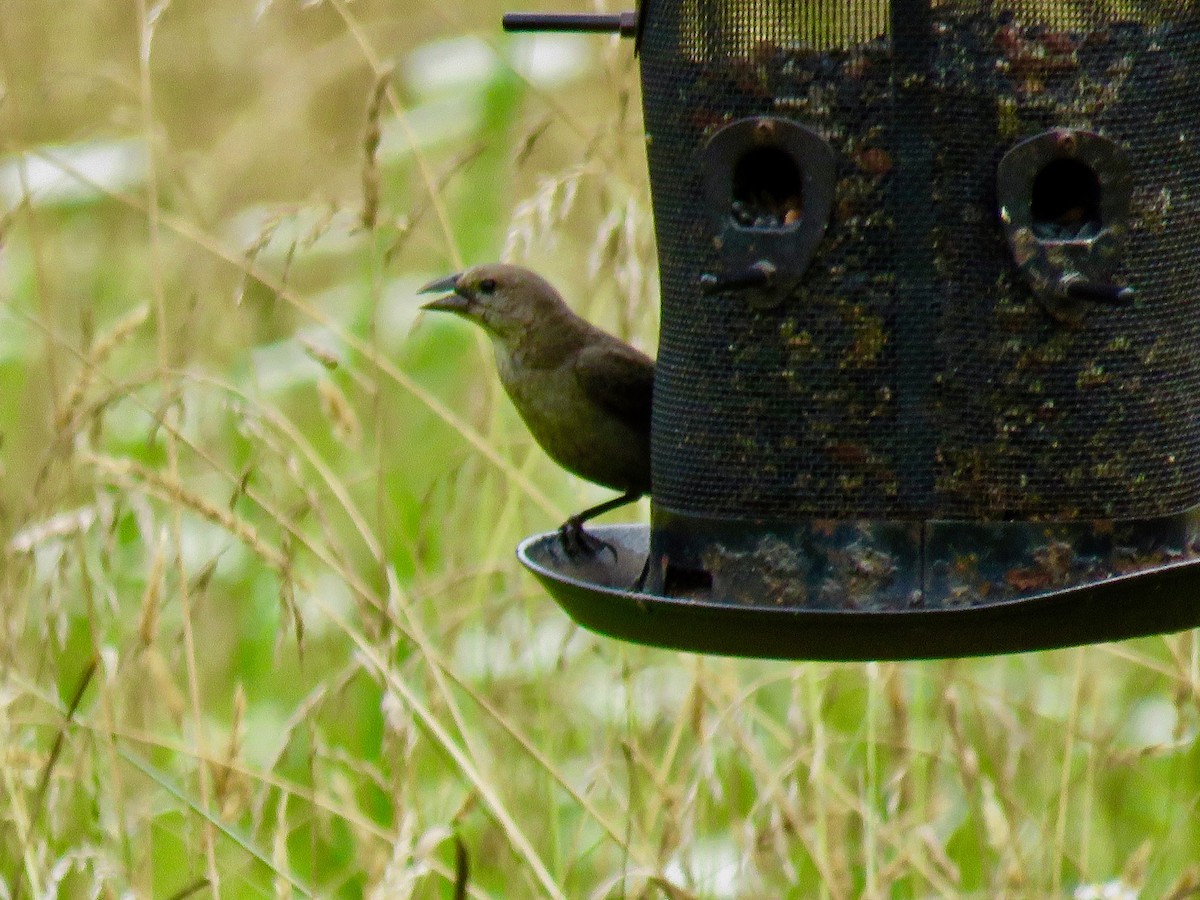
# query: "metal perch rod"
x,y
624,24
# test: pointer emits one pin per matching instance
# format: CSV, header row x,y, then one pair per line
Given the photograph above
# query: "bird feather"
x,y
618,379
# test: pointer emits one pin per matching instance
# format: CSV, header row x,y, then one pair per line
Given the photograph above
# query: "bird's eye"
x,y
487,286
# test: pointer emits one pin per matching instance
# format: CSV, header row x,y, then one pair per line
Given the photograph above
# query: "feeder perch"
x,y
927,369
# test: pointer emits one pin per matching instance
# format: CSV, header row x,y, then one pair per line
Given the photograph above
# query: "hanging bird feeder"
x,y
927,381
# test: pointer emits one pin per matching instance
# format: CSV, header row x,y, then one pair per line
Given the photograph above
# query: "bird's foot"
x,y
577,542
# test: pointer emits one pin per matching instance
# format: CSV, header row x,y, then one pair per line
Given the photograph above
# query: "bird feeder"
x,y
927,380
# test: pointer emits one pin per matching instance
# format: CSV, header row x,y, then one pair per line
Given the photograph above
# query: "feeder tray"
x,y
597,593
927,371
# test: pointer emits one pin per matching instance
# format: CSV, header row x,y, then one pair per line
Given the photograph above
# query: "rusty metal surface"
x,y
865,565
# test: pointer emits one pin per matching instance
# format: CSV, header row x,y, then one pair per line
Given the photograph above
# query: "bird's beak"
x,y
455,301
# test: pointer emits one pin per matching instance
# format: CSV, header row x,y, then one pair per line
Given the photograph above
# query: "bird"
x,y
584,395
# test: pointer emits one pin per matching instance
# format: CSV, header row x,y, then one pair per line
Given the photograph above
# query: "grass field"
x,y
263,633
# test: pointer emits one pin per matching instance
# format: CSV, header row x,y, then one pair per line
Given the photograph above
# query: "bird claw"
x,y
577,542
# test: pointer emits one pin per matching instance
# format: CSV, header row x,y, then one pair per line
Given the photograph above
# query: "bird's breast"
x,y
575,432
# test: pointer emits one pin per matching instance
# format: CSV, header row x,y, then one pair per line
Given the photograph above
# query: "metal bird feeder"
x,y
926,383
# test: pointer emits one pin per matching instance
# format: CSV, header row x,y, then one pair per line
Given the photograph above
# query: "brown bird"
x,y
584,394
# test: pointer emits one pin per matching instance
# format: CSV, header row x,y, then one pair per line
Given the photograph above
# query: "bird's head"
x,y
508,301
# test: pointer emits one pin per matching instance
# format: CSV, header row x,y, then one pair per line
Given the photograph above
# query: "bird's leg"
x,y
640,584
576,541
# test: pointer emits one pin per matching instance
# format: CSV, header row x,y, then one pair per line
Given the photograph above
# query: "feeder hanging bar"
x,y
624,24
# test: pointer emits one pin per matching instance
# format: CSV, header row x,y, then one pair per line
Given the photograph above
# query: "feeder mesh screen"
x,y
912,374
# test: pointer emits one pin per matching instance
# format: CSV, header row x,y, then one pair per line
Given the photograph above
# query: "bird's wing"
x,y
619,379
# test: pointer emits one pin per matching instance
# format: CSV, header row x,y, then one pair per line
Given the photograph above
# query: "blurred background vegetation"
x,y
263,633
